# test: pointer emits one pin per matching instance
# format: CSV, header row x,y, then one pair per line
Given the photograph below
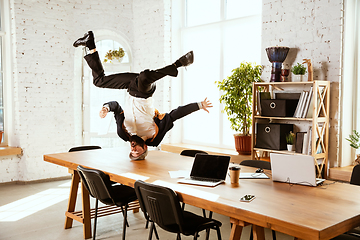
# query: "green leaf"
x,y
237,95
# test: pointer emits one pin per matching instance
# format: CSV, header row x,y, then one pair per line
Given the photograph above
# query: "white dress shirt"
x,y
139,117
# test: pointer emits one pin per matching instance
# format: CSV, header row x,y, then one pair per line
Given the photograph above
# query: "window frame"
x,y
7,73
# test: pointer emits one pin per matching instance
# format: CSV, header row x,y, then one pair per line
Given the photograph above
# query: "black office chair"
x,y
163,208
83,148
191,152
347,236
260,165
99,186
355,175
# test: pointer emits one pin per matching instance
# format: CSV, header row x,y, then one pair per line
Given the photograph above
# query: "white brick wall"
x,y
312,29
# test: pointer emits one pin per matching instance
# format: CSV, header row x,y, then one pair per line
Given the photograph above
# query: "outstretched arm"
x,y
206,104
182,111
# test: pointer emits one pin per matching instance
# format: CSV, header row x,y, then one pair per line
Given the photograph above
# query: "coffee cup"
x,y
234,174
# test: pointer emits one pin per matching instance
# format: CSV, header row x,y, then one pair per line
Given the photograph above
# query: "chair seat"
x,y
121,194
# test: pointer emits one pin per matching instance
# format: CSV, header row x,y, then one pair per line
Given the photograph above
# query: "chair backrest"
x,y
161,204
83,148
191,152
257,164
355,175
97,183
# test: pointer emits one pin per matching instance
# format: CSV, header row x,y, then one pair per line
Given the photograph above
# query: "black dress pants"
x,y
140,85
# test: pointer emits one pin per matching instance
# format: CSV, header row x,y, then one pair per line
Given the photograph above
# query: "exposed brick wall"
x,y
312,29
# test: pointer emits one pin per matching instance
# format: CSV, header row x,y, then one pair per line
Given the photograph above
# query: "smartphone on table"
x,y
247,198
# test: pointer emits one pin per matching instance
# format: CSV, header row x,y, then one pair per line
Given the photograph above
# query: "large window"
x,y
99,131
222,35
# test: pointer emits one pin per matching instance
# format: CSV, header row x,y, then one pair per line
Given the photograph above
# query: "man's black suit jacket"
x,y
163,122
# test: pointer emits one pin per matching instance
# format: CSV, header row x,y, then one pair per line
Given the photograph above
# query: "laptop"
x,y
295,169
208,170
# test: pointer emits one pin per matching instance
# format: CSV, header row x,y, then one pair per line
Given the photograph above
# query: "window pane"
x,y
1,17
199,82
1,62
202,11
242,8
99,96
242,42
104,46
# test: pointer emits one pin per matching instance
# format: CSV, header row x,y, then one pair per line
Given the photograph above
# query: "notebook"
x,y
208,170
296,169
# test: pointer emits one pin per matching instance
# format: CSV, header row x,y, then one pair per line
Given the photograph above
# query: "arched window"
x,y
97,131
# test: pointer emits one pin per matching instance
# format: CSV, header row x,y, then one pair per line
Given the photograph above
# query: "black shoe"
x,y
87,39
187,59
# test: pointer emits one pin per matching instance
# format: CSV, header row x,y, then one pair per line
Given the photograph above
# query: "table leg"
x,y
86,211
258,233
236,229
72,198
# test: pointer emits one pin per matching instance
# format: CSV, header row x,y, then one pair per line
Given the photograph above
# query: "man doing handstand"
x,y
140,124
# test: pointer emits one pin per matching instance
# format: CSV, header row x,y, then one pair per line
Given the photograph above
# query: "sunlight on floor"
x,y
24,207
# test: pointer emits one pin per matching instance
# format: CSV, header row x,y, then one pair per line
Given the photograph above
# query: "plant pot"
x,y
298,78
290,147
243,144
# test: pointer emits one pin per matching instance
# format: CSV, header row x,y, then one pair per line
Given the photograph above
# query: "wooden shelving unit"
x,y
319,120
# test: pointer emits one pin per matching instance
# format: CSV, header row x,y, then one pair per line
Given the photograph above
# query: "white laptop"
x,y
208,170
295,169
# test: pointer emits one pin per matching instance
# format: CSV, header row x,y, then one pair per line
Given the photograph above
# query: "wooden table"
x,y
300,211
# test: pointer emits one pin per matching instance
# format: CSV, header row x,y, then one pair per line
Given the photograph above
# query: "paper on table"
x,y
253,175
179,174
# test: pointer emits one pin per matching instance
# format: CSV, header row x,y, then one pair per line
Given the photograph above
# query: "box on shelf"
x,y
278,107
272,135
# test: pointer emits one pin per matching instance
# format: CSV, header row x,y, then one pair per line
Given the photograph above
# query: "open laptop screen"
x,y
210,166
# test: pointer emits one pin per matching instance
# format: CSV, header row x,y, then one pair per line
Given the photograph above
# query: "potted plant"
x,y
114,54
237,98
354,143
290,140
299,71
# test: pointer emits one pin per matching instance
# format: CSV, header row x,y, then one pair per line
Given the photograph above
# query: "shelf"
x,y
319,122
289,83
277,151
319,119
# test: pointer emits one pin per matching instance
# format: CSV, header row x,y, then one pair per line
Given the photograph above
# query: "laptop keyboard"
x,y
204,179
